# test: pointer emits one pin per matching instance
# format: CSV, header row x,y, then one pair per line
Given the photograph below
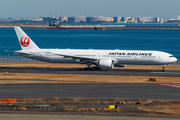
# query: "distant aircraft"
x,y
103,59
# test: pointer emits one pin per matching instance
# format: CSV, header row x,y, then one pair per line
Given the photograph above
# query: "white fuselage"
x,y
104,59
119,56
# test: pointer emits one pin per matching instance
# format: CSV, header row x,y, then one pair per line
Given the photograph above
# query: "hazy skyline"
x,y
107,8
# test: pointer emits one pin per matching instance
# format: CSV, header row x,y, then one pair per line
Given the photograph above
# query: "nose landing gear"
x,y
163,70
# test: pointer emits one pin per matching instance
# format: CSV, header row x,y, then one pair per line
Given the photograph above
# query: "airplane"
x,y
102,59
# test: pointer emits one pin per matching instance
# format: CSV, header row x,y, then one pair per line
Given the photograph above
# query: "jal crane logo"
x,y
24,41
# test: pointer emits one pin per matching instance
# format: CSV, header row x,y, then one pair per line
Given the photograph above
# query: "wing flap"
x,y
77,57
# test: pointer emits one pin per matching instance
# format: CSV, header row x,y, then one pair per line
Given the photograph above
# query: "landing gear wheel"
x,y
96,68
92,68
86,68
163,68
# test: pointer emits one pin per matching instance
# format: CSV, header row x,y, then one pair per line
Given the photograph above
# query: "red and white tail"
x,y
25,41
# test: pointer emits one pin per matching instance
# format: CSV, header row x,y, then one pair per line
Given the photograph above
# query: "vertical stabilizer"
x,y
25,41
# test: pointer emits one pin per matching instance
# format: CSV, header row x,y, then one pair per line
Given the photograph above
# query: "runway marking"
x,y
171,85
167,72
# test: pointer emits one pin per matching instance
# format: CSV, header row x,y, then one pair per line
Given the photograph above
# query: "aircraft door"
x,y
159,57
135,57
99,55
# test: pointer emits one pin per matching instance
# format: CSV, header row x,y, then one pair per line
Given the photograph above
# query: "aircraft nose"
x,y
173,60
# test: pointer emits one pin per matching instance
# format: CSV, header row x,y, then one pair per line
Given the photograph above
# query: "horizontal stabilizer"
x,y
19,52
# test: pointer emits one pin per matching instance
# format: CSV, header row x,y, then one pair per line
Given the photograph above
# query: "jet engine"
x,y
119,65
106,64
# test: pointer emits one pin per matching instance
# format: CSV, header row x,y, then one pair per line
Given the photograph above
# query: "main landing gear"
x,y
163,68
91,68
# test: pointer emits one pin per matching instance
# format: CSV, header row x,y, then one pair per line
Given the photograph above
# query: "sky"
x,y
106,8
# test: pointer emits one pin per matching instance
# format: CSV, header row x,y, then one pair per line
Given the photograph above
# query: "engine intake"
x,y
106,64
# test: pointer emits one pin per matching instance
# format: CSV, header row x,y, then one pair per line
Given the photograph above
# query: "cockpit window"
x,y
171,56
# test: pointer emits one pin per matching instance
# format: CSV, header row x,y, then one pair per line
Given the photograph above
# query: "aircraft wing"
x,y
78,57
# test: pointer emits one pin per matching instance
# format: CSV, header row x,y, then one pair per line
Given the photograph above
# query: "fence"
x,y
16,58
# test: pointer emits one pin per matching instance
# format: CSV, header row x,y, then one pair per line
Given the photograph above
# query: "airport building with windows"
x,y
99,19
76,19
63,19
148,19
46,19
119,19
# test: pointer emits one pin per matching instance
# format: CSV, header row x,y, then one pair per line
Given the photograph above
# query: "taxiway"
x,y
140,72
101,91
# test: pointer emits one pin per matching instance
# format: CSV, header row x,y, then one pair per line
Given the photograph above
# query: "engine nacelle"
x,y
106,64
119,65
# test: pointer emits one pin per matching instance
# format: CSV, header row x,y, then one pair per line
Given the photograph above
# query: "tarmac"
x,y
76,117
138,91
100,91
90,90
140,72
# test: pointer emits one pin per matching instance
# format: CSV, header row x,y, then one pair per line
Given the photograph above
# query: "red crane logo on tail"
x,y
25,41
